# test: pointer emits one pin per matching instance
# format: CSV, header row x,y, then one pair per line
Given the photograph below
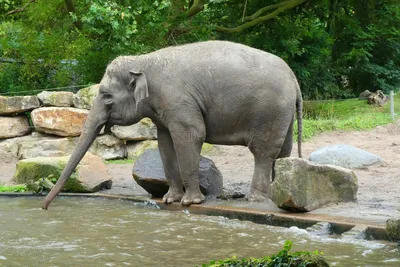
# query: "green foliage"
x,y
13,188
283,258
336,48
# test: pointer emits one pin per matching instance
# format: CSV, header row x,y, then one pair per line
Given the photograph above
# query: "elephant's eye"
x,y
108,99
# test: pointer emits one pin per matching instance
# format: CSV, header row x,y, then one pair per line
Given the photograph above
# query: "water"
x,y
101,232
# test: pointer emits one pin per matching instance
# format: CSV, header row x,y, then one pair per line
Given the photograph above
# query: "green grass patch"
x,y
345,115
13,188
120,161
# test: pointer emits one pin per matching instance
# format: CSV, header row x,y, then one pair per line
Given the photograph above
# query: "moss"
x,y
393,229
30,171
206,148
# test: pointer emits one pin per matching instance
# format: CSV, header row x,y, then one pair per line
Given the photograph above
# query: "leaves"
x,y
336,48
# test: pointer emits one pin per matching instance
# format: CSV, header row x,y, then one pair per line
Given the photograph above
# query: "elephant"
x,y
218,92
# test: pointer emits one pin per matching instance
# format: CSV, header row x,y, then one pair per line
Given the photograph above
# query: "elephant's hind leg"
x,y
286,149
171,168
265,151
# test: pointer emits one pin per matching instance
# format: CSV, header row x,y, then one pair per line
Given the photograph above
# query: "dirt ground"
x,y
379,185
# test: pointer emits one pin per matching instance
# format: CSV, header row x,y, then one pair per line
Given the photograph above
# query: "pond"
x,y
105,232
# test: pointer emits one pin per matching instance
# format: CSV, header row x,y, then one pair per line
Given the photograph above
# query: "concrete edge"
x,y
301,220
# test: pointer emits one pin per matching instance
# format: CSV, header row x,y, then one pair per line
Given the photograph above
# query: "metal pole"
x,y
392,104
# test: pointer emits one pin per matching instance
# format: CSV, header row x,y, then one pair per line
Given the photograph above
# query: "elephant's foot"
x,y
190,197
172,196
256,195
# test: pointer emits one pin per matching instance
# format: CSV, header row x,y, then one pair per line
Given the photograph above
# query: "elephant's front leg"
x,y
188,141
171,168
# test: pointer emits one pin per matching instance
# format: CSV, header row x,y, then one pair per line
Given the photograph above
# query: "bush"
x,y
283,258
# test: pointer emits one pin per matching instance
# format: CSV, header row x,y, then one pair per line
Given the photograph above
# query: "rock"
x,y
148,172
84,98
345,156
393,229
357,232
56,99
135,149
40,145
378,98
45,146
109,147
17,104
14,126
144,130
59,121
364,95
9,150
90,175
301,185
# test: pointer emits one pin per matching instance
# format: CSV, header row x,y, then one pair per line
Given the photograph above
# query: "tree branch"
x,y
264,9
289,5
196,7
18,10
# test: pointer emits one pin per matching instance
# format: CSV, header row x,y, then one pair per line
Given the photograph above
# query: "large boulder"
x,y
41,145
14,126
144,130
301,185
109,147
90,175
84,98
345,156
45,146
17,104
393,229
59,121
148,172
56,99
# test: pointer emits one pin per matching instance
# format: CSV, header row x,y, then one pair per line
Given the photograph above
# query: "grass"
x,y
13,188
345,115
120,161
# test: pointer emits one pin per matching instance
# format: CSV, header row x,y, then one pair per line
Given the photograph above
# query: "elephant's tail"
x,y
299,111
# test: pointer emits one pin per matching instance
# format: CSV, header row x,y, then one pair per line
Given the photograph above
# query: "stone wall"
x,y
50,123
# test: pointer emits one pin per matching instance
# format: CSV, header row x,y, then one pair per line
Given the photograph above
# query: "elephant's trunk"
x,y
96,119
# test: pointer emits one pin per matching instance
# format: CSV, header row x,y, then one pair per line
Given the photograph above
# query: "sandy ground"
x,y
379,185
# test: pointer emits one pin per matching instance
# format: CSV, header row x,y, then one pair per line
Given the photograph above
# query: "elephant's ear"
x,y
138,84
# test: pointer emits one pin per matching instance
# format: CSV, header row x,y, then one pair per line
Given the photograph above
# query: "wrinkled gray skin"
x,y
216,92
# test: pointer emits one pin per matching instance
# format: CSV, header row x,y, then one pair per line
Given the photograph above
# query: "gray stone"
x,y
17,104
9,150
84,98
345,156
40,145
301,185
393,229
357,232
364,95
320,229
90,175
45,146
148,172
143,130
59,121
56,98
109,147
14,126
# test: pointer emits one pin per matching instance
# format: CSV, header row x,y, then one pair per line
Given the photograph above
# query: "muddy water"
x,y
101,232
